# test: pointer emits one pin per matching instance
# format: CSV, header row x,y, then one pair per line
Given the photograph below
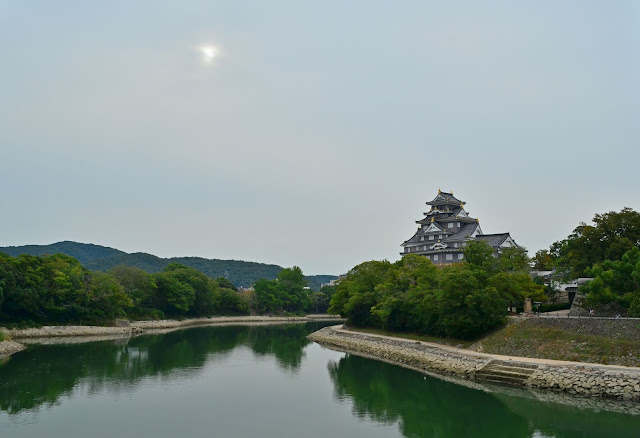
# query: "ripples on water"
x,y
265,381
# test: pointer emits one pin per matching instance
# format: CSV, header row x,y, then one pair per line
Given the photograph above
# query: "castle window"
x,y
431,237
422,238
460,256
450,225
449,256
435,257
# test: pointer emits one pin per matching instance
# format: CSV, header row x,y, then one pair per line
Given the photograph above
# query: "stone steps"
x,y
506,372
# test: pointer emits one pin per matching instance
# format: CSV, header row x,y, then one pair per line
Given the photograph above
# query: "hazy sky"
x,y
319,129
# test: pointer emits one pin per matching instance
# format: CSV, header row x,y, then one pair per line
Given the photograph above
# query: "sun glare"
x,y
208,53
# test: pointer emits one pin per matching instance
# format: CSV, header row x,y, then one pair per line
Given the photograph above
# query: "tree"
x,y
616,282
139,286
268,296
107,299
225,283
173,297
480,255
286,293
513,260
611,236
543,260
356,294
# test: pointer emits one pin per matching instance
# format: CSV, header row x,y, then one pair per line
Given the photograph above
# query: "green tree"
x,y
225,283
616,282
139,286
543,260
107,298
173,297
611,236
356,294
268,296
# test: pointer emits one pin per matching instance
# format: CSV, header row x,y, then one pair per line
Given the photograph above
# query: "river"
x,y
263,382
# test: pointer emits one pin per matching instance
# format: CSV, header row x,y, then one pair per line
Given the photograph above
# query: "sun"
x,y
209,53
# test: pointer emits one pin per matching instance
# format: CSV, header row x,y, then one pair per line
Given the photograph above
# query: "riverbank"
x,y
574,378
81,333
7,348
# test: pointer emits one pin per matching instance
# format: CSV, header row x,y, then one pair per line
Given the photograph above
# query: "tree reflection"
x,y
42,374
423,407
430,407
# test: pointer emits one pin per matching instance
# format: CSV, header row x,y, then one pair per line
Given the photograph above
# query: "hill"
x,y
102,258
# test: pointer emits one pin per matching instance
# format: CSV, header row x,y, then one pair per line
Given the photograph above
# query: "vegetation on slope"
x,y
562,342
101,258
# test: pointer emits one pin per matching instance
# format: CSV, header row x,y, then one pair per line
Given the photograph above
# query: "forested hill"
x,y
102,258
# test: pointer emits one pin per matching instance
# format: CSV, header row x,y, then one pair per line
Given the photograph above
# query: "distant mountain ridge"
x,y
103,258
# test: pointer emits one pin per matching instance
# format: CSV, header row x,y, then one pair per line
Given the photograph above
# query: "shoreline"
x,y
569,378
7,348
88,333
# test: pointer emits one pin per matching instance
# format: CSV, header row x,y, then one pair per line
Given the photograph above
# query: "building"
x,y
445,230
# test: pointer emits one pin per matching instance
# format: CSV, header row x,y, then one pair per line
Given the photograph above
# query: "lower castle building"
x,y
445,230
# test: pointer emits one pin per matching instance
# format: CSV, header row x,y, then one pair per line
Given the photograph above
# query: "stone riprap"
x,y
412,354
139,327
54,331
588,380
7,348
572,378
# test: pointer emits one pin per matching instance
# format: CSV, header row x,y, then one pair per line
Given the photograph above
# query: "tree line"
x,y
102,258
462,300
607,251
59,289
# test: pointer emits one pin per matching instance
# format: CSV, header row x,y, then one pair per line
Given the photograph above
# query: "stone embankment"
x,y
83,333
572,378
7,348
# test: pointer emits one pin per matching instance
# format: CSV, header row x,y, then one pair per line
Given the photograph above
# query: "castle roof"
x,y
494,240
465,232
443,198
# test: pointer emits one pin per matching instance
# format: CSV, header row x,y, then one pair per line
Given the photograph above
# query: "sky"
x,y
317,131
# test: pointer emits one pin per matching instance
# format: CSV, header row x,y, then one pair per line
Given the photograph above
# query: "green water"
x,y
259,381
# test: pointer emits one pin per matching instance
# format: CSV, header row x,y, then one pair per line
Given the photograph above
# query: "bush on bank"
x,y
463,300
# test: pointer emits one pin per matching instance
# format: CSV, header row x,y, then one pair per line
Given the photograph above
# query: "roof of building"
x,y
445,198
464,233
494,240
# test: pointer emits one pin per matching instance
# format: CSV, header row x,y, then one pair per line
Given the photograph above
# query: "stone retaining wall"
x,y
571,378
615,328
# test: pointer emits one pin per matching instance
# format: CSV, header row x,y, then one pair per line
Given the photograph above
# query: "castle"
x,y
445,230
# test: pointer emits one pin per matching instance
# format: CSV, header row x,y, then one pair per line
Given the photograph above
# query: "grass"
x,y
554,343
416,337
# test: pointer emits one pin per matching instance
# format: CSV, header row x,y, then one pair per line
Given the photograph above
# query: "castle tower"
x,y
445,230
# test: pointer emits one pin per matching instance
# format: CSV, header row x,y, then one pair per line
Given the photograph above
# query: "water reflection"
x,y
43,374
429,407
